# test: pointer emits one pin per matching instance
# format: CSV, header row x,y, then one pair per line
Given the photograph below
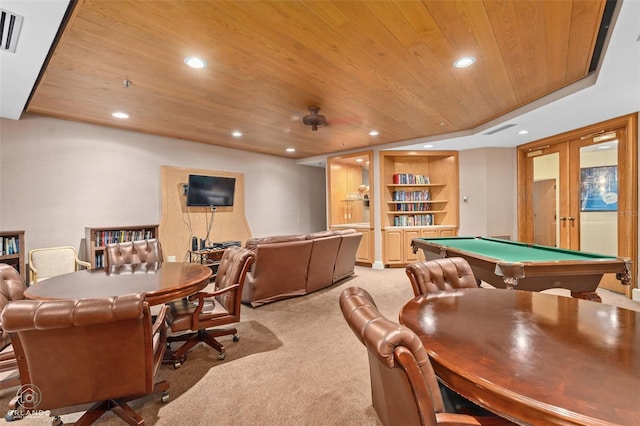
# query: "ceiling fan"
x,y
314,119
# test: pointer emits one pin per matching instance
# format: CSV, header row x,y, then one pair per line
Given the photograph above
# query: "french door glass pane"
x,y
599,196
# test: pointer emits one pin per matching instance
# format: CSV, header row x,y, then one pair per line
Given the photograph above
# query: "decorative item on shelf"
x,y
363,190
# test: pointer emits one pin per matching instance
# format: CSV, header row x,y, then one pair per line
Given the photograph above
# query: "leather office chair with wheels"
x,y
12,288
133,252
211,309
404,387
440,274
53,261
104,352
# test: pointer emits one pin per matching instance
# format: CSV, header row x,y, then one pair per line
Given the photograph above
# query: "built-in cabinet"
x,y
12,250
397,242
351,198
96,239
420,199
365,249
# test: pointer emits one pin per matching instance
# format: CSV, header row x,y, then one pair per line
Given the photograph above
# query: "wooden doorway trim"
x,y
627,181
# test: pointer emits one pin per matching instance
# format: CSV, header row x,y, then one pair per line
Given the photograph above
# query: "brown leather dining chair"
x,y
12,288
75,352
440,274
133,252
211,309
404,387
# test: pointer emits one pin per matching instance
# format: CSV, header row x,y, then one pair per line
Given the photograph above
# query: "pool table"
x,y
512,264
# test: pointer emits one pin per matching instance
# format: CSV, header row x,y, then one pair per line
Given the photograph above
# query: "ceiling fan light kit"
x,y
314,119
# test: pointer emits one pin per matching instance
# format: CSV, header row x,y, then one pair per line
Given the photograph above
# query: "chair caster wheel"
x,y
222,355
178,362
56,421
13,414
165,397
235,338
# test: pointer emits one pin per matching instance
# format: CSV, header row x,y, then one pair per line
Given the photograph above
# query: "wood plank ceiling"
x,y
383,65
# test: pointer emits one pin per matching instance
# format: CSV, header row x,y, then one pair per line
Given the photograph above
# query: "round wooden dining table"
x,y
533,358
161,282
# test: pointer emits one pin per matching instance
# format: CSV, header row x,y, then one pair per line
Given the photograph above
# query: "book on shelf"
x,y
9,246
410,179
415,220
411,207
411,195
102,238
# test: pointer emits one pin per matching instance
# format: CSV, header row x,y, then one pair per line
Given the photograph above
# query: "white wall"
x,y
57,176
488,178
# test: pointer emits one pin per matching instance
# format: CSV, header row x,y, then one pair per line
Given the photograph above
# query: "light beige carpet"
x,y
297,363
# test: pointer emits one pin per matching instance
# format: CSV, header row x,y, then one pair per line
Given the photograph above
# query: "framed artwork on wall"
x,y
599,189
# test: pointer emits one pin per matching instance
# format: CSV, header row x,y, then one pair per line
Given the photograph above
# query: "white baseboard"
x,y
635,294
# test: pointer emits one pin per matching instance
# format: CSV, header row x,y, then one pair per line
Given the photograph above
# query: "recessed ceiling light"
x,y
120,115
359,160
194,62
464,62
427,146
523,132
291,150
374,133
236,133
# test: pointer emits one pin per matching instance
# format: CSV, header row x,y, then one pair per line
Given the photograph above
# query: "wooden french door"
x,y
580,192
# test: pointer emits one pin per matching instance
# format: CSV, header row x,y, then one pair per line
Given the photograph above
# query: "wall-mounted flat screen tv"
x,y
210,191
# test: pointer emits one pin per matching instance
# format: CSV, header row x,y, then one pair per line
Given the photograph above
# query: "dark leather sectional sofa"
x,y
294,265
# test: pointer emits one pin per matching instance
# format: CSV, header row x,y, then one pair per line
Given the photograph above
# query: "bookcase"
x,y
12,250
420,199
97,238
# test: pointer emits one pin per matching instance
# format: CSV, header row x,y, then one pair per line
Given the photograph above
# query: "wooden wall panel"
x,y
179,222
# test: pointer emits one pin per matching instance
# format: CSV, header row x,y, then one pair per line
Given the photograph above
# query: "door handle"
x,y
563,218
571,218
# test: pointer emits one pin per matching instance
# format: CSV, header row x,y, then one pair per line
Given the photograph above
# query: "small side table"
x,y
210,258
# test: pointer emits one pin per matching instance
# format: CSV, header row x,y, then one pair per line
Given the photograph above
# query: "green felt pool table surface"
x,y
513,264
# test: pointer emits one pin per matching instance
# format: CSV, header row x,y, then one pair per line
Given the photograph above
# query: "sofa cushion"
x,y
279,272
346,258
321,234
323,259
345,231
253,243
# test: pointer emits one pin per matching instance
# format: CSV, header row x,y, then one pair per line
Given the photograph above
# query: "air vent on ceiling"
x,y
499,129
10,24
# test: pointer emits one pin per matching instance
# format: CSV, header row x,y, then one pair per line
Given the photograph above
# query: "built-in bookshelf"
x,y
420,198
98,238
350,201
12,250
